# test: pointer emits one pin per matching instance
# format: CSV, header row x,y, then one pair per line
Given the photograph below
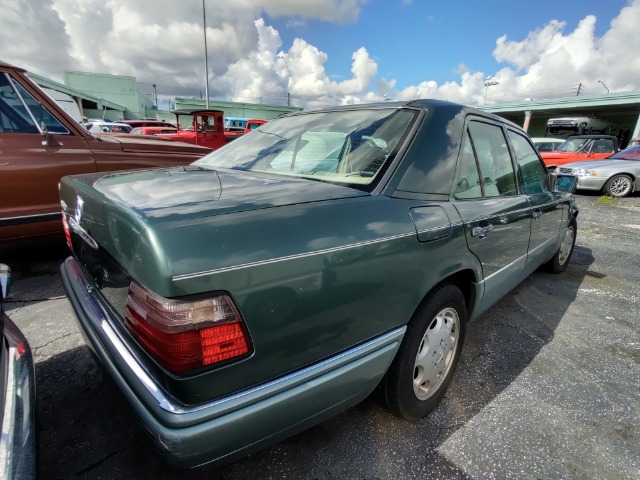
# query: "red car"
x,y
148,123
580,148
199,127
153,130
251,124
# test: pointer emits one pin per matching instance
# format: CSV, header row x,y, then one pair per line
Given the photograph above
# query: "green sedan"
x,y
282,278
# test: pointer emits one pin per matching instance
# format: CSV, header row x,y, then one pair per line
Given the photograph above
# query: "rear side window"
x,y
494,159
533,173
604,145
468,180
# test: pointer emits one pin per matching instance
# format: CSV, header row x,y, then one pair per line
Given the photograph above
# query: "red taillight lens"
x,y
189,335
67,233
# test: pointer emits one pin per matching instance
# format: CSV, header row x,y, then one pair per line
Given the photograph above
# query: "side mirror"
x,y
48,140
562,183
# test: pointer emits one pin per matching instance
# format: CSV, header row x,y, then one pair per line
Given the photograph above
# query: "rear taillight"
x,y
67,232
186,335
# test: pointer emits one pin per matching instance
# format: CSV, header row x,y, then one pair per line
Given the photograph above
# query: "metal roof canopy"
x,y
100,102
616,104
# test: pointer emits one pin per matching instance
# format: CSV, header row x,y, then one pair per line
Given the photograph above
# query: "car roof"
x,y
422,104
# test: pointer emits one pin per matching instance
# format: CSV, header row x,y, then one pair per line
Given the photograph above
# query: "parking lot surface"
x,y
548,385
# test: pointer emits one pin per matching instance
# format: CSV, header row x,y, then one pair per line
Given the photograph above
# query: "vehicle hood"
x,y
135,143
161,223
606,163
558,155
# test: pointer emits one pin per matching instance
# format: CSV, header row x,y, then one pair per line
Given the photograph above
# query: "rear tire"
x,y
424,365
560,261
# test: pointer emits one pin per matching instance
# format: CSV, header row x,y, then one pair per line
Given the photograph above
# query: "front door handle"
x,y
482,230
536,214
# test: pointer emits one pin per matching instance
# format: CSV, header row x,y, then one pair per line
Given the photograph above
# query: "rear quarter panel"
x,y
309,280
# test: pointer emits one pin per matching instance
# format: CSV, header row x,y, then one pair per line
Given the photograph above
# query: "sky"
x,y
330,52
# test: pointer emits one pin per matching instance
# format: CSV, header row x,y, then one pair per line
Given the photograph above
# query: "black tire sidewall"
x,y
554,265
399,393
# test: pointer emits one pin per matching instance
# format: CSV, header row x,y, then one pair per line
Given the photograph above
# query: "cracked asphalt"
x,y
548,385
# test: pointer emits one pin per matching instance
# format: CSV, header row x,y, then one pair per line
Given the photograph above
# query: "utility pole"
x,y
206,57
579,88
155,95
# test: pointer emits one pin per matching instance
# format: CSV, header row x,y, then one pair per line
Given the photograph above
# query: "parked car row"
x,y
597,163
100,126
97,125
617,176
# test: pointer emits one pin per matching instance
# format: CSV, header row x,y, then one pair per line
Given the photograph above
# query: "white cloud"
x,y
160,41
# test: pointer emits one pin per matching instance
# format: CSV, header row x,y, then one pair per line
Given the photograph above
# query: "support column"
x,y
636,130
527,120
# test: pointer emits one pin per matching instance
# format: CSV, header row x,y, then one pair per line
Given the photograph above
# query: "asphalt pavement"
x,y
548,385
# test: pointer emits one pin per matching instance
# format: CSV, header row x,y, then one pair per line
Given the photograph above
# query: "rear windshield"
x,y
346,147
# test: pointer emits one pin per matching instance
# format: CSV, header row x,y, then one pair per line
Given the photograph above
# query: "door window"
x,y
532,171
468,180
20,112
494,159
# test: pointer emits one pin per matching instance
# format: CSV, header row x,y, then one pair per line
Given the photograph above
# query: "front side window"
x,y
532,171
494,159
346,147
20,112
573,145
604,145
14,116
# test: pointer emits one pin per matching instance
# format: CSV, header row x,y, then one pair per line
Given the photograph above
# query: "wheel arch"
x,y
634,180
466,281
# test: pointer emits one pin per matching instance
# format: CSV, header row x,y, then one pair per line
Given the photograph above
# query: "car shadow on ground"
x,y
85,430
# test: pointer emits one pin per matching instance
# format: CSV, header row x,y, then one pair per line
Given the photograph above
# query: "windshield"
x,y
573,145
346,147
632,153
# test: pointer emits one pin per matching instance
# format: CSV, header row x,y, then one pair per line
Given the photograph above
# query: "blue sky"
x,y
326,52
428,40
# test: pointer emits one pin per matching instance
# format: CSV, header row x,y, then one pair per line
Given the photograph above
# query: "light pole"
x,y
605,87
206,58
489,82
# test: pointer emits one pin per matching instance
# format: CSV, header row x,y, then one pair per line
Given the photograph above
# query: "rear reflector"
x,y
187,335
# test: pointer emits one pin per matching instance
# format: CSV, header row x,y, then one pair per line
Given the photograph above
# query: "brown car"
x,y
40,143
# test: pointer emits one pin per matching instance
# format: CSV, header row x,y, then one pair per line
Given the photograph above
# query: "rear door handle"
x,y
536,214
